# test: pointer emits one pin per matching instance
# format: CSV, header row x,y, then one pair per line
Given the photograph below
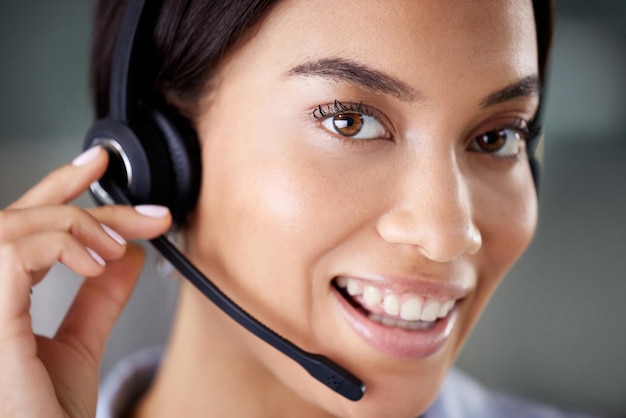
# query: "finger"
x,y
98,304
18,223
22,261
139,222
67,182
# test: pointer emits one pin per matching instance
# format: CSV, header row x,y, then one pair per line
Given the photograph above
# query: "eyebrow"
x,y
346,70
342,69
526,86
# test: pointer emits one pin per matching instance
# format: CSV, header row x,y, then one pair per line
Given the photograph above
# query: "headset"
x,y
155,158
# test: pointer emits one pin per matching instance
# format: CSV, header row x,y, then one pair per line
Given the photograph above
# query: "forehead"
x,y
435,41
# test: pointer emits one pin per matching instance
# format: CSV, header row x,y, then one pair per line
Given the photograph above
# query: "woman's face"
x,y
366,186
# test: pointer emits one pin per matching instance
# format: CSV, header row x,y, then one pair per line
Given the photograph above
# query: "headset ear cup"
x,y
184,152
139,163
126,159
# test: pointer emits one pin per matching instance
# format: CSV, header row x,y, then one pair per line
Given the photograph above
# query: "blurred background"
x,y
555,330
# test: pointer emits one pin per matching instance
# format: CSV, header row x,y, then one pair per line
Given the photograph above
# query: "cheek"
x,y
264,211
507,218
505,212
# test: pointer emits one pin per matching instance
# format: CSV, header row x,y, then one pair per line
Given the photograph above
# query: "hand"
x,y
58,377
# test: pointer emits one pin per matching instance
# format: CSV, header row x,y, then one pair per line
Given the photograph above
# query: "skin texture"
x,y
286,205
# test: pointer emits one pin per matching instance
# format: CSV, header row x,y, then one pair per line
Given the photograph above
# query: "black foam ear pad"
x,y
184,152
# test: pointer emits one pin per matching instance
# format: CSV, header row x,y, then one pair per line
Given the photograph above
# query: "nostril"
x,y
475,240
445,248
440,239
399,227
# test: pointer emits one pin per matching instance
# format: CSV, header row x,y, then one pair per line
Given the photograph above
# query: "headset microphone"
x,y
155,158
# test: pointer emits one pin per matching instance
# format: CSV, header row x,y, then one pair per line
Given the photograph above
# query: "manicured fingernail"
x,y
96,257
87,156
152,211
116,237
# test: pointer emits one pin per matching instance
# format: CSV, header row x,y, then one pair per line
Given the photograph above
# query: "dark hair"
x,y
544,25
191,36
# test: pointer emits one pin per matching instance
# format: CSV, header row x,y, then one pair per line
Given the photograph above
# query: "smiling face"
x,y
366,187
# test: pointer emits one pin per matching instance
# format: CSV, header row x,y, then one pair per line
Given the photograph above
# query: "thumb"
x,y
98,304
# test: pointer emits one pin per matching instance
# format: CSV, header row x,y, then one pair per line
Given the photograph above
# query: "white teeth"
x,y
390,322
414,309
354,288
372,296
446,307
450,305
411,309
431,310
342,282
391,305
401,323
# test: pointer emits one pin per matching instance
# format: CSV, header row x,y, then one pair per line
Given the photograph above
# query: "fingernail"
x,y
96,257
116,237
152,211
87,156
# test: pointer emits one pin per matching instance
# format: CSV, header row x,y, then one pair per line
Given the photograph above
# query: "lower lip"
x,y
397,342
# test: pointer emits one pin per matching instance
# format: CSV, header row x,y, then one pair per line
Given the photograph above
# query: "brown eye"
x,y
355,126
501,142
492,141
348,124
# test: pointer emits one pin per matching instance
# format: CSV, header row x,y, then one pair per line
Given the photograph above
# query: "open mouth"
x,y
407,311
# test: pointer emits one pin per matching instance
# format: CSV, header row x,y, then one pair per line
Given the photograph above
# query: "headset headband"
x,y
132,71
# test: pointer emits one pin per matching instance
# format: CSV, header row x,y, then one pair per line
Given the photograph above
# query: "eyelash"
x,y
336,108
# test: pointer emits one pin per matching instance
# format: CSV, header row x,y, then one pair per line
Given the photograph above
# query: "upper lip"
x,y
440,288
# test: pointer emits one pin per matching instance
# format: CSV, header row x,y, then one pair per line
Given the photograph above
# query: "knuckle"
x,y
3,225
7,224
77,220
10,257
13,272
74,216
65,239
8,252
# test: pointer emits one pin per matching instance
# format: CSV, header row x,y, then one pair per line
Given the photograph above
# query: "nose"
x,y
432,211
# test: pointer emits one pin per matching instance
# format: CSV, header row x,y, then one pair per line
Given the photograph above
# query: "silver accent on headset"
x,y
101,195
114,147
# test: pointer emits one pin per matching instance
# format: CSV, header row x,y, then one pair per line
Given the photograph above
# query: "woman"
x,y
365,187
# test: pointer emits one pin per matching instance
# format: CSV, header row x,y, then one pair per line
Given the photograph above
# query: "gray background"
x,y
555,329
